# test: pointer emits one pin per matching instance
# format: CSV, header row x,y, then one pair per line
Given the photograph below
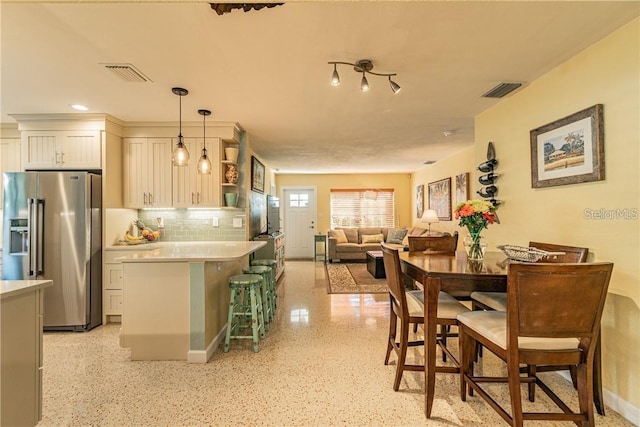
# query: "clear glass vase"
x,y
474,247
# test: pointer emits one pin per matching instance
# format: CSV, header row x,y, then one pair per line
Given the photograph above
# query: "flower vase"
x,y
474,248
231,174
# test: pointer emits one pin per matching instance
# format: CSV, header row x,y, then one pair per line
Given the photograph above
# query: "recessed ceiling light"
x,y
79,107
449,132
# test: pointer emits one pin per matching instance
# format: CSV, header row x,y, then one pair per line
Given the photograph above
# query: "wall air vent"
x,y
501,90
127,72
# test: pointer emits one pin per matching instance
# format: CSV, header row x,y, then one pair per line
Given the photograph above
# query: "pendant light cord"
x,y
204,133
180,131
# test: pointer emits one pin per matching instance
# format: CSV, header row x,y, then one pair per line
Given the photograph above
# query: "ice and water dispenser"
x,y
19,236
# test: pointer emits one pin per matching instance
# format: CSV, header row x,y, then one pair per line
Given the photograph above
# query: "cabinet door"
x,y
78,150
185,192
9,157
159,165
136,175
39,150
112,303
208,194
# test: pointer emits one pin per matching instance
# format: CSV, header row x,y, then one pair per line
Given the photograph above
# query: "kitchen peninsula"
x,y
176,297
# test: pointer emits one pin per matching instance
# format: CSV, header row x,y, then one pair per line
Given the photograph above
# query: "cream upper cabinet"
x,y
76,149
9,157
147,173
191,189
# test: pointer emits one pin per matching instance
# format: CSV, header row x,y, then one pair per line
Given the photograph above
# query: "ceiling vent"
x,y
501,90
127,72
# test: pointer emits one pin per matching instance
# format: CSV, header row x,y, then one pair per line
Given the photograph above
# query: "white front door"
x,y
300,217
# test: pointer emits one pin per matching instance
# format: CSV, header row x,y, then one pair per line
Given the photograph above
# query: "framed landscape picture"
x,y
440,198
257,175
462,187
569,150
419,201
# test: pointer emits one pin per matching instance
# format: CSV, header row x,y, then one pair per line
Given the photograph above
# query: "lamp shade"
x,y
429,216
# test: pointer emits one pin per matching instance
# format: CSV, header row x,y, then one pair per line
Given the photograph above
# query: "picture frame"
x,y
419,201
462,187
569,150
257,175
440,198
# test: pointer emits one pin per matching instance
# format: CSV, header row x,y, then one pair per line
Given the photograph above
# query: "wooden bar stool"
x,y
265,290
242,309
269,263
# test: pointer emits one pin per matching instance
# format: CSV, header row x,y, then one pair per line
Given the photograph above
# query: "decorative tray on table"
x,y
526,254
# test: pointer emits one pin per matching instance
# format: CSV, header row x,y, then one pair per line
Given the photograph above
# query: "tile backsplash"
x,y
196,225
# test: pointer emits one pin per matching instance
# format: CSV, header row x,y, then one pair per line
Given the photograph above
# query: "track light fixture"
x,y
204,164
363,66
180,154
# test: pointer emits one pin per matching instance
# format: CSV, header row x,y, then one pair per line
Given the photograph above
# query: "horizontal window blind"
x,y
362,208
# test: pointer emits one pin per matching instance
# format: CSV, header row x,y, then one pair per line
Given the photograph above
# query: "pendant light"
x,y
364,84
180,154
204,164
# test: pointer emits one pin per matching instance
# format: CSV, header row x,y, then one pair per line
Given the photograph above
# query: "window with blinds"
x,y
362,208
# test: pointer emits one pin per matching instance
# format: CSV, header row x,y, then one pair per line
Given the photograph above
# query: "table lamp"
x,y
429,216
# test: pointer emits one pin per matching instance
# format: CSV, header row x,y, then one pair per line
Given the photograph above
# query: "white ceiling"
x,y
268,71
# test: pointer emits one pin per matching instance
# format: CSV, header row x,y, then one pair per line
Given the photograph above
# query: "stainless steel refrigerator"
x,y
52,229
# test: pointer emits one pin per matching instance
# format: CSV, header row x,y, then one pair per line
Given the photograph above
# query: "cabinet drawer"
x,y
112,302
112,276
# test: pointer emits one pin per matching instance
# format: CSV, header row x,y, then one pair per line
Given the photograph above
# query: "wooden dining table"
x,y
459,277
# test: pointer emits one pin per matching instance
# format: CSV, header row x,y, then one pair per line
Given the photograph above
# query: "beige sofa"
x,y
353,243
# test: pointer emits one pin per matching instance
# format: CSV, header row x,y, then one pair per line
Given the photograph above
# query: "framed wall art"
x,y
462,187
569,150
419,201
257,175
440,198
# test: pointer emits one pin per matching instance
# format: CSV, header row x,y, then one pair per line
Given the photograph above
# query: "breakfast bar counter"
x,y
176,297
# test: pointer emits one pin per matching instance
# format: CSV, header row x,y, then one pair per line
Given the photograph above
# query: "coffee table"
x,y
375,264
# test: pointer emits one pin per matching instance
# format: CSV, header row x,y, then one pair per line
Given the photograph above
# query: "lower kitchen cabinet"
x,y
112,286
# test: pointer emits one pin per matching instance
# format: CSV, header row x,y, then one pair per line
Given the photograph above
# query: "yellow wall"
x,y
606,73
324,183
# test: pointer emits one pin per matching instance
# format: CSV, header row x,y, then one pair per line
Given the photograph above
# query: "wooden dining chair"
x,y
445,244
553,319
498,300
406,308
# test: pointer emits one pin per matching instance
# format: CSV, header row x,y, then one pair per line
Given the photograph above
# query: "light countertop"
x,y
9,288
188,251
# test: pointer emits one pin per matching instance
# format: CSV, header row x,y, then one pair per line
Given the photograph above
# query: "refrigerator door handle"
x,y
40,237
35,220
31,219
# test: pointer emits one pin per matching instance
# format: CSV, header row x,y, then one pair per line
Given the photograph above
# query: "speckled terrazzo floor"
x,y
321,364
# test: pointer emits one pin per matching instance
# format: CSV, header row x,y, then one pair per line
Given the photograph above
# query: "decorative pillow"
x,y
396,235
372,238
339,235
